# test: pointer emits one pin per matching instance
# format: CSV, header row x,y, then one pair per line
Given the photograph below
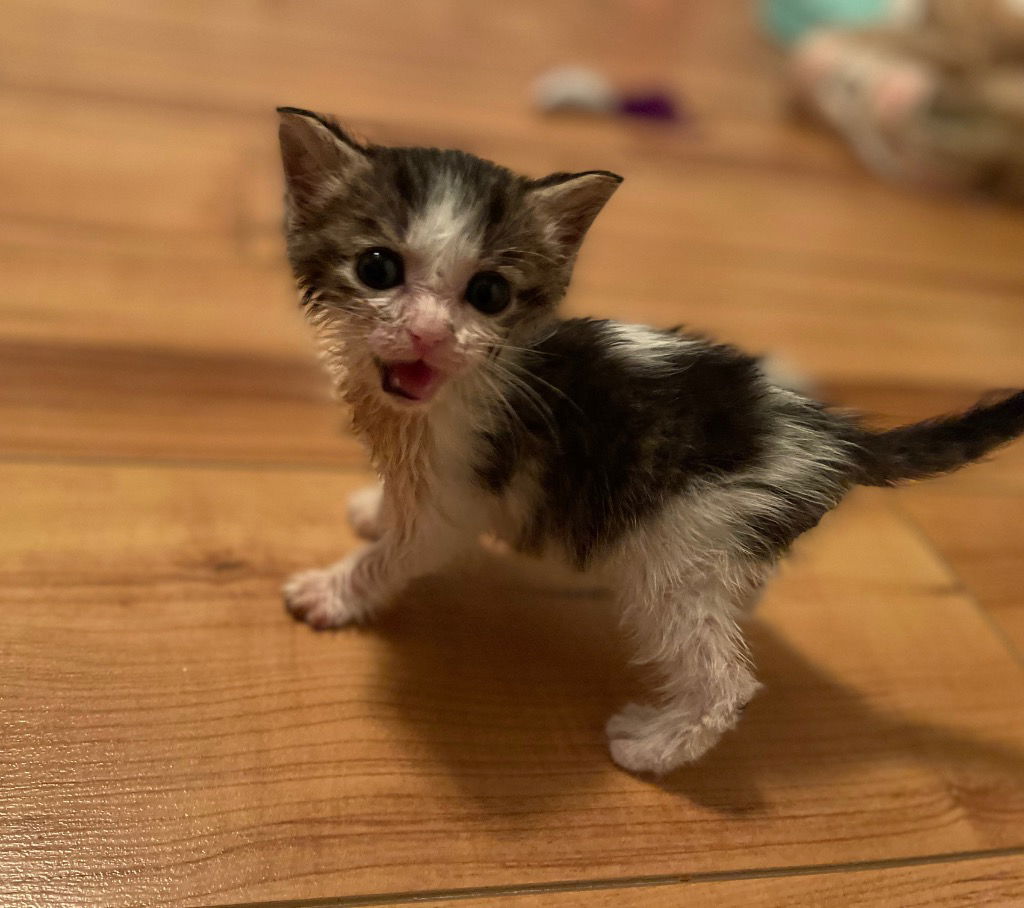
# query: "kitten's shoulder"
x,y
575,335
592,343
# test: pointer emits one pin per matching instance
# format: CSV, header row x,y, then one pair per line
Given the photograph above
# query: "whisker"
x,y
530,395
503,345
523,371
502,398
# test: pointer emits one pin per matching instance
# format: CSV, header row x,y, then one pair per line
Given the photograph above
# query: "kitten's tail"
x,y
938,445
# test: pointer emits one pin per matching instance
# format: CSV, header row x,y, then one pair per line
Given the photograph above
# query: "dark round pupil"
x,y
380,269
489,292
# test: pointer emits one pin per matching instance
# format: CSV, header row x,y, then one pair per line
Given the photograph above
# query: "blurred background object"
x,y
583,90
790,20
926,91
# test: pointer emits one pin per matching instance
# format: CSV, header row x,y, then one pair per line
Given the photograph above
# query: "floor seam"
x,y
636,882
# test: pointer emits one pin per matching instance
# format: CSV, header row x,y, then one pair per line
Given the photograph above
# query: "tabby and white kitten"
x,y
671,462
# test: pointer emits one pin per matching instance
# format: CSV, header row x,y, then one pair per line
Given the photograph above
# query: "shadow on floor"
x,y
509,684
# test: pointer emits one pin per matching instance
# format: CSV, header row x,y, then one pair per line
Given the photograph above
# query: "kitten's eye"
x,y
380,269
489,292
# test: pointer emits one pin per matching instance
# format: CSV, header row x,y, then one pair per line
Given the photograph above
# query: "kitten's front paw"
x,y
364,512
325,598
643,739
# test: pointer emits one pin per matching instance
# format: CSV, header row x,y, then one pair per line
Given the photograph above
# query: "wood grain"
x,y
169,453
162,712
173,303
985,881
69,401
979,533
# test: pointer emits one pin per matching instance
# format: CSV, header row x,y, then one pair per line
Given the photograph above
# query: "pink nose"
x,y
426,339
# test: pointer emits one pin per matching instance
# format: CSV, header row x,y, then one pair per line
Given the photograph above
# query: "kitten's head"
x,y
426,262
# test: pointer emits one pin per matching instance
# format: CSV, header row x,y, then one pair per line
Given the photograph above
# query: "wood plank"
x,y
169,734
961,336
174,56
132,400
126,402
208,360
980,534
212,318
102,168
983,881
107,166
77,338
768,262
179,305
972,517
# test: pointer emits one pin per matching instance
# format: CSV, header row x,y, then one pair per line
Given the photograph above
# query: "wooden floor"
x,y
168,454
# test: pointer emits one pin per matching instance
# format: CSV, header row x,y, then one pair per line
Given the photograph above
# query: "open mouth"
x,y
415,381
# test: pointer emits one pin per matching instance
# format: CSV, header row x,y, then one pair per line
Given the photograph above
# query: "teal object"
x,y
787,20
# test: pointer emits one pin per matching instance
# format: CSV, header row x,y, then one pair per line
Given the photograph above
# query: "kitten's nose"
x,y
427,338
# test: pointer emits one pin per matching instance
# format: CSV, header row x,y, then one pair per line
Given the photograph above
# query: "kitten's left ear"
x,y
571,201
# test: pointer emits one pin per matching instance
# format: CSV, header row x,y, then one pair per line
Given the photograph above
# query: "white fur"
x,y
364,512
411,538
644,345
368,579
683,588
441,244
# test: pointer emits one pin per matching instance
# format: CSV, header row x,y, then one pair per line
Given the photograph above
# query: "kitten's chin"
x,y
409,384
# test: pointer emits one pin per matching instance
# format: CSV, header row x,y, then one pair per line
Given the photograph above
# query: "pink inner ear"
x,y
573,203
312,154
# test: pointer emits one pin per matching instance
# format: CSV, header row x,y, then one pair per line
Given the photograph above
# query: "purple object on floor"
x,y
652,105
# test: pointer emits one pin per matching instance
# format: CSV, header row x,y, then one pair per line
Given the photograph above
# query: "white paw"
x,y
325,598
364,512
643,739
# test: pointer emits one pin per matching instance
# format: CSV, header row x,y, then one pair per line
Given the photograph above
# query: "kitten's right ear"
x,y
317,154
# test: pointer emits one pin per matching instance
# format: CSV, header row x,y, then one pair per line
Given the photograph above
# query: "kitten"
x,y
432,278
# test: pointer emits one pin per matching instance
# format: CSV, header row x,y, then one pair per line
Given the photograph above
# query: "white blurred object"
x,y
784,374
574,88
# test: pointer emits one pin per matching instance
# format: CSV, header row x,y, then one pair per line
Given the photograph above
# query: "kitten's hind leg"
x,y
688,634
366,512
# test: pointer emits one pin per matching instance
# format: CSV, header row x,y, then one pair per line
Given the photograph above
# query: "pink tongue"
x,y
415,379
